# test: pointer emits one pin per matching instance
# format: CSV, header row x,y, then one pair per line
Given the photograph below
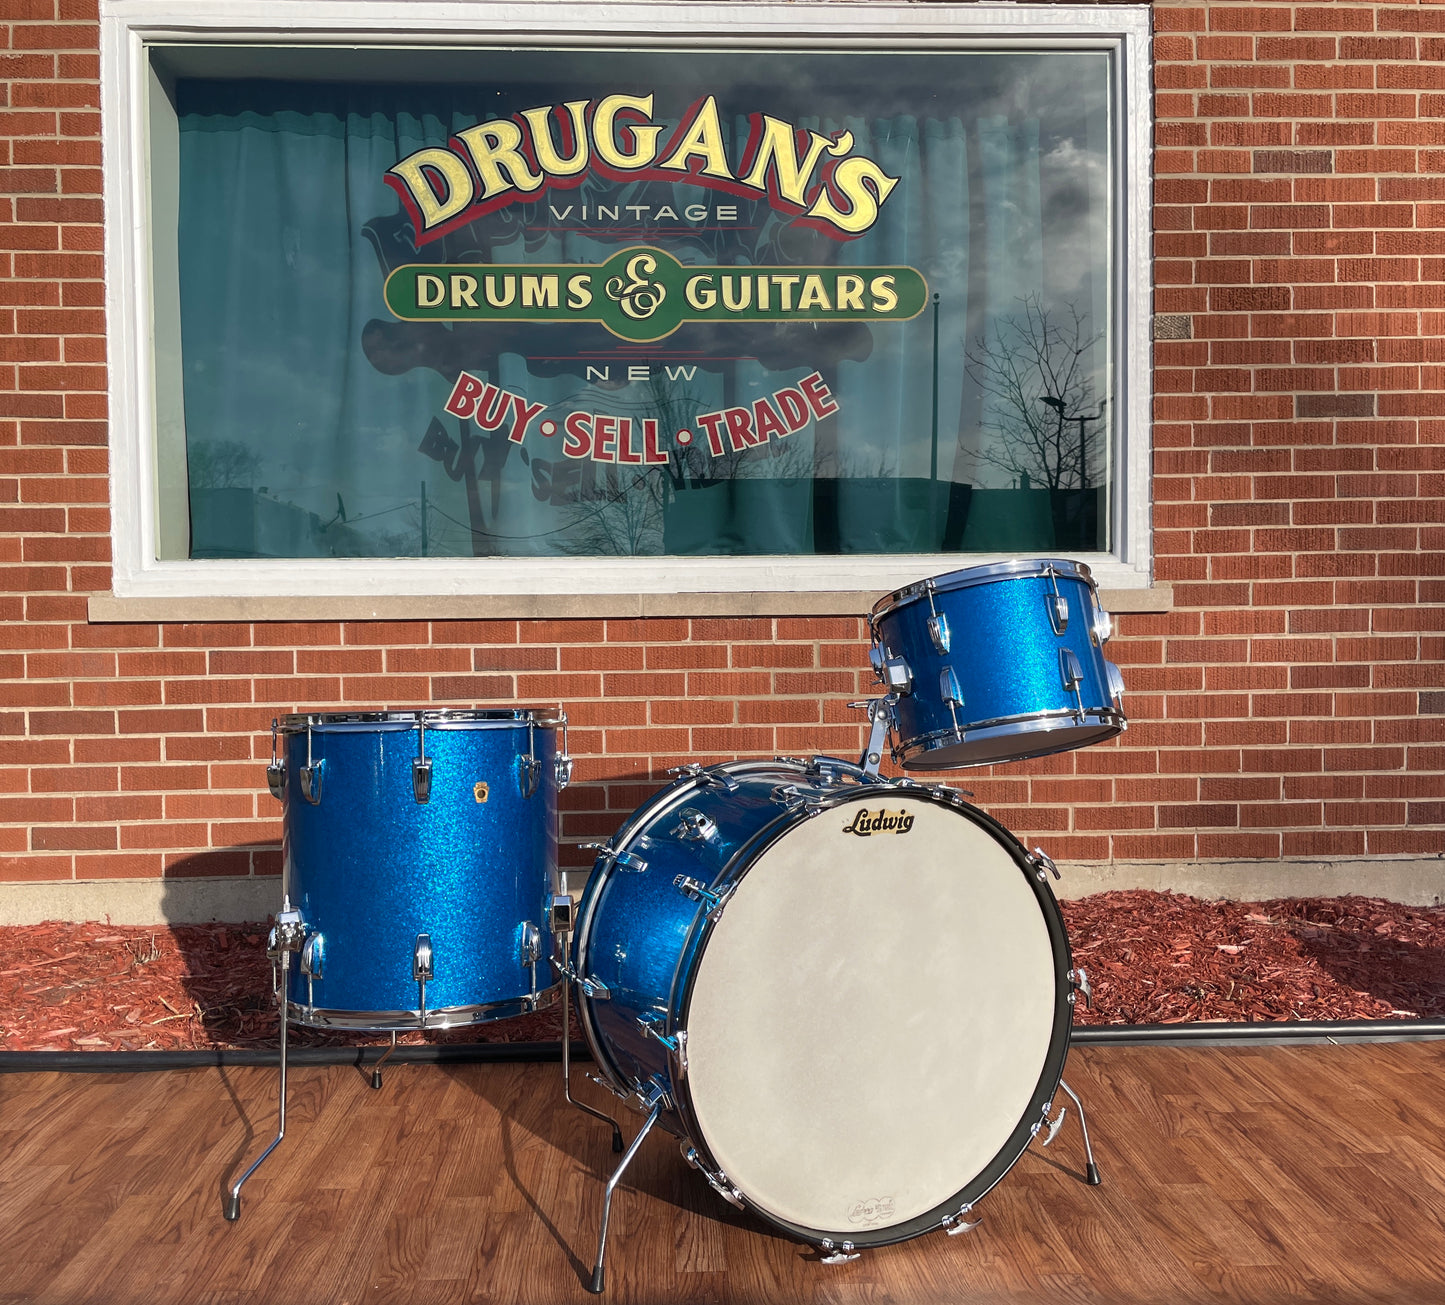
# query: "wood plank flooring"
x,y
1261,1174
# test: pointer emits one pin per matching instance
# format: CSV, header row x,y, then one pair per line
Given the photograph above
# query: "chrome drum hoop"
x,y
920,745
988,573
431,717
440,1018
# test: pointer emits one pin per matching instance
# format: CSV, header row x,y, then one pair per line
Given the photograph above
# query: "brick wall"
x,y
1292,705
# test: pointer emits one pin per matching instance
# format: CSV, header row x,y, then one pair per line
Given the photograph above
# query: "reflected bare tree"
x,y
1039,401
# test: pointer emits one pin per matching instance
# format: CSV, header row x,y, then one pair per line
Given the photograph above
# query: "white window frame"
x,y
129,27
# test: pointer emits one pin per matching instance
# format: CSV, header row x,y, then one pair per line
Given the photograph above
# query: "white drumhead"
x,y
870,1017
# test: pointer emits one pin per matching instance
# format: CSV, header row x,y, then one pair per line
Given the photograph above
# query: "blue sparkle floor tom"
x,y
997,663
849,997
420,848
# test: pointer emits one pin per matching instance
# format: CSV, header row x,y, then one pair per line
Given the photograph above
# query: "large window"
x,y
805,299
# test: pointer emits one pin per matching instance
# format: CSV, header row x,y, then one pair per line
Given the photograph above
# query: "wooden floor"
x,y
1259,1174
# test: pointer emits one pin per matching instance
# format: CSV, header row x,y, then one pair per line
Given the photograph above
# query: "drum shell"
x,y
370,868
646,940
1005,653
638,933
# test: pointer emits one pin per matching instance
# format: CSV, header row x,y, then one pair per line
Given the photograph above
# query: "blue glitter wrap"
x,y
370,867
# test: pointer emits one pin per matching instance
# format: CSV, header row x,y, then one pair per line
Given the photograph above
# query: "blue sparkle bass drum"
x,y
420,849
997,663
849,997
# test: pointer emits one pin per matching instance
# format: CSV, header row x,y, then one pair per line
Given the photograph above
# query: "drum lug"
x,y
1072,675
690,769
693,826
622,860
948,687
423,968
1080,981
698,891
1103,629
1056,604
838,1254
529,775
310,776
892,672
717,1181
959,1223
1041,862
276,771
313,956
938,631
530,946
594,988
650,1023
787,796
421,779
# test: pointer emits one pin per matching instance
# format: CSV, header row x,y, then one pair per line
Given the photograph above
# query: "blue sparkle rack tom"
x,y
420,884
996,663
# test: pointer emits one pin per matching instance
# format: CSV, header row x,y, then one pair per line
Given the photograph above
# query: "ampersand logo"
x,y
634,293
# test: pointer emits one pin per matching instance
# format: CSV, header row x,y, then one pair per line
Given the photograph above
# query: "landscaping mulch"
x,y
1151,958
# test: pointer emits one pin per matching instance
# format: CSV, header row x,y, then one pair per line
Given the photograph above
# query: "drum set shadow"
x,y
848,996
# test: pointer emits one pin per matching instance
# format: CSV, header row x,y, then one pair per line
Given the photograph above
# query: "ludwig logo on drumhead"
x,y
871,1211
867,823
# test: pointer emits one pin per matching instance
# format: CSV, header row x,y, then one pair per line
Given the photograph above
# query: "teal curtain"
x,y
315,422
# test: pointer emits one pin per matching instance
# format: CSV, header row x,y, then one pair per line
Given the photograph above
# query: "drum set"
x,y
847,996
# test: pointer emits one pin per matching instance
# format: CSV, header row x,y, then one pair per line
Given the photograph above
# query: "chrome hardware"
x,y
313,962
610,1086
423,968
1091,1170
1070,669
594,988
1073,676
937,624
697,890
1056,1123
1080,980
276,771
288,934
1103,629
622,860
421,767
310,774
1056,604
717,1181
893,673
705,775
530,946
837,1254
960,1223
948,687
568,978
649,1025
561,912
311,783
655,1108
788,796
693,826
562,762
880,719
1041,861
1116,684
529,775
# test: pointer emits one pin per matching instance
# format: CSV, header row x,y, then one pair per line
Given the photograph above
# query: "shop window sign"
x,y
646,303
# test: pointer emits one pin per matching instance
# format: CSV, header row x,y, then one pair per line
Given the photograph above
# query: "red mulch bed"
x,y
1152,958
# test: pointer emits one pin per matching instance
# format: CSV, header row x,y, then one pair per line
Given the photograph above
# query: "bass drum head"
x,y
877,1018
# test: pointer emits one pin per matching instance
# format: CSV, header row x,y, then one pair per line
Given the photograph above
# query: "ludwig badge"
x,y
480,790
